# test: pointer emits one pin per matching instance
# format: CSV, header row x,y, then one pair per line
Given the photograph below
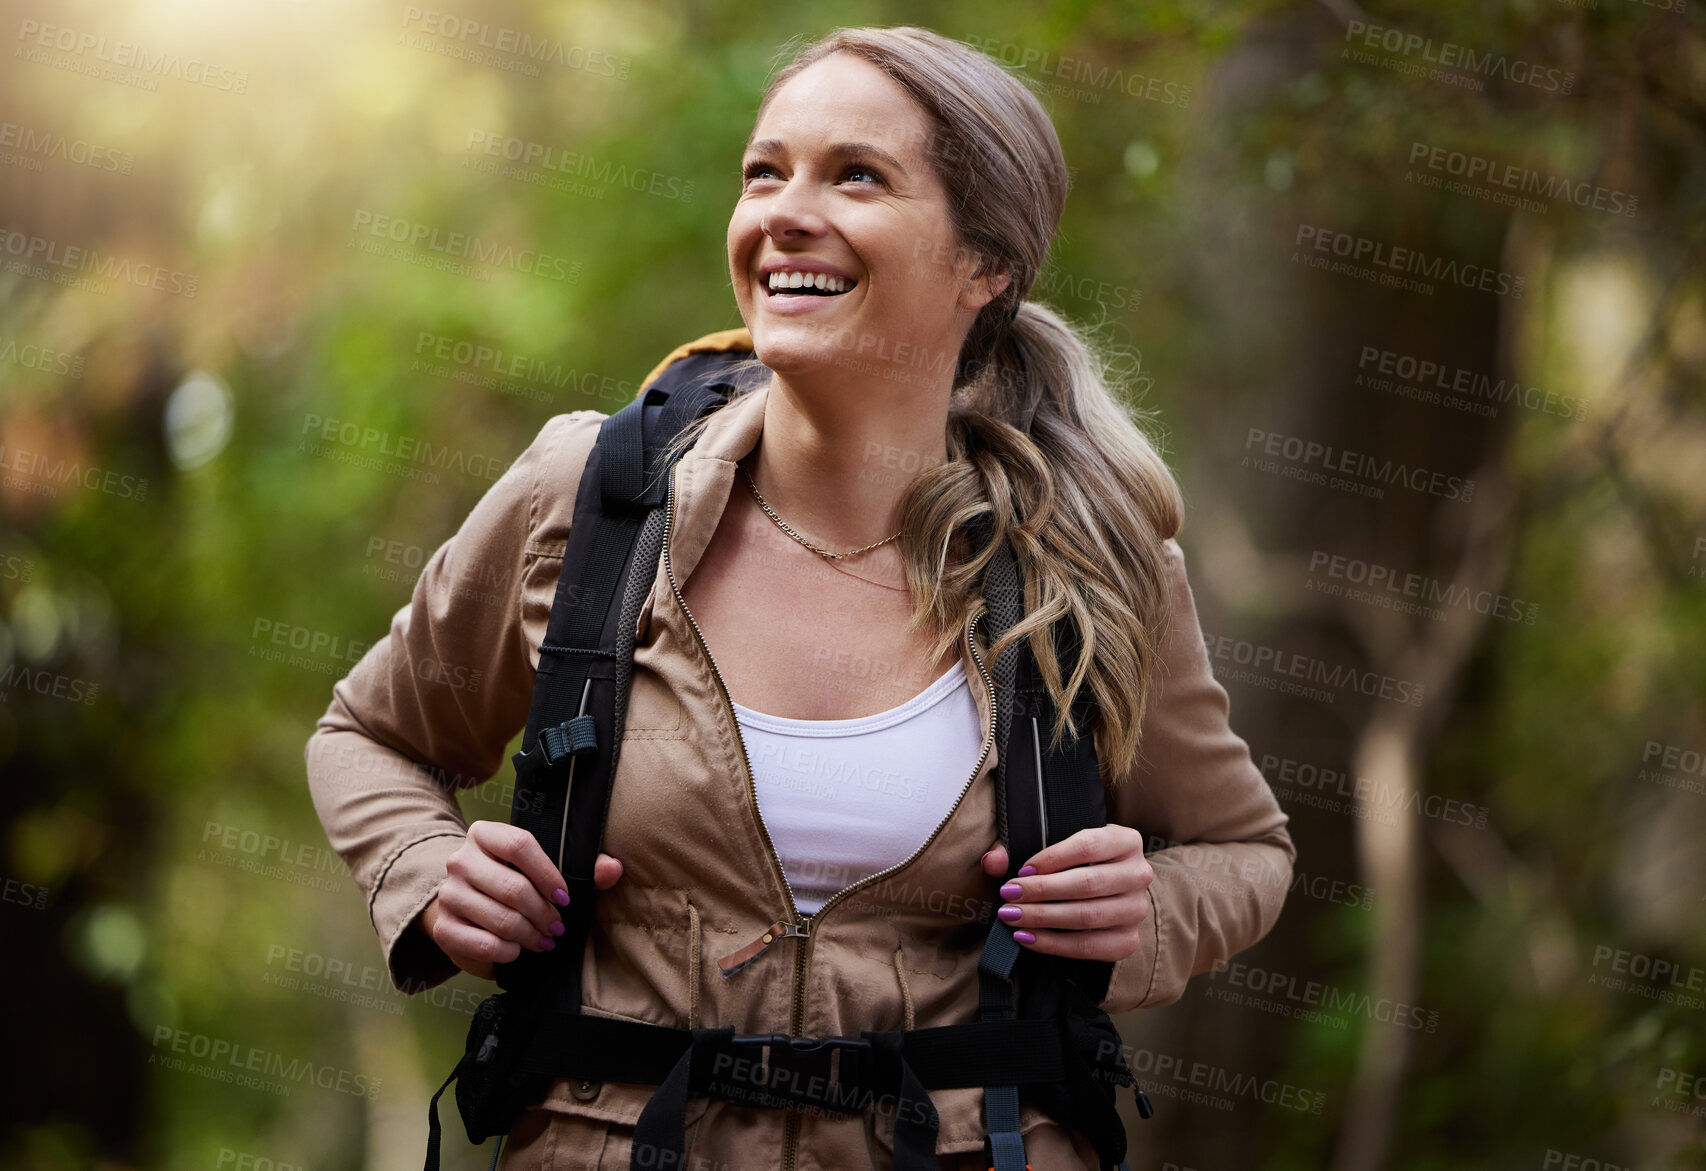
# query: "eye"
x,y
862,168
754,169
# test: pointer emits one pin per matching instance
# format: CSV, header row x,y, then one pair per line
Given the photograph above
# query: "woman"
x,y
813,625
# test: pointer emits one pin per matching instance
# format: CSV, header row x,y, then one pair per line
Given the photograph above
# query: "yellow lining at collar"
x,y
724,339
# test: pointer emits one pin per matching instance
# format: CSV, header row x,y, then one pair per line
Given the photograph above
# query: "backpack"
x,y
1039,1028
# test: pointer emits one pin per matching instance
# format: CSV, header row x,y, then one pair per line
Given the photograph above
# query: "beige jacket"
x,y
449,687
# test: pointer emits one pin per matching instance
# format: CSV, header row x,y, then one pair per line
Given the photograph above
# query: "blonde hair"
x,y
1040,447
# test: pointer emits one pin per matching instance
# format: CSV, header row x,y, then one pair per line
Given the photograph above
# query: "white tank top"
x,y
844,799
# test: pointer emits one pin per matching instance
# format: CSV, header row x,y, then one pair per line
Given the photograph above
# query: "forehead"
x,y
844,97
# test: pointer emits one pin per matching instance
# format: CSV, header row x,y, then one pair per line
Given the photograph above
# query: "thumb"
x,y
995,862
606,872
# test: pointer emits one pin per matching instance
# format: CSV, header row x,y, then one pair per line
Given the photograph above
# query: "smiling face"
x,y
836,182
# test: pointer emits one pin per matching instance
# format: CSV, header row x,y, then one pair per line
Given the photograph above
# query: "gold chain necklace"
x,y
825,553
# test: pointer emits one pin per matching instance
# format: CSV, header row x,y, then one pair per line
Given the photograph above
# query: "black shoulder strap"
x,y
1042,797
574,725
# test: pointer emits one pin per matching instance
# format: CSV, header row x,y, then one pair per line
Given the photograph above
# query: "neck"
x,y
835,461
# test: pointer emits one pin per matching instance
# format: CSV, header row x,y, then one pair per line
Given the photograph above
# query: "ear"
x,y
980,291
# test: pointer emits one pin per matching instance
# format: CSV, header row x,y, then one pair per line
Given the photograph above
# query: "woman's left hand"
x,y
1086,897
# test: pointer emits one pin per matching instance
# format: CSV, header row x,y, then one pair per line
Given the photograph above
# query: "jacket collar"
x,y
733,431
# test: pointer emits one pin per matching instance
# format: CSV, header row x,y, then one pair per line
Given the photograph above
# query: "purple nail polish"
x,y
546,943
1011,890
1010,913
1027,871
1024,937
560,897
557,927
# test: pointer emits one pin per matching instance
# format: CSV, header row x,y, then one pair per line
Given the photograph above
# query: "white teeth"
x,y
816,280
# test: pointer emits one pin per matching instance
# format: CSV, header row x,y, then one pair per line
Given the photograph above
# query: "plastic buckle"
x,y
804,1071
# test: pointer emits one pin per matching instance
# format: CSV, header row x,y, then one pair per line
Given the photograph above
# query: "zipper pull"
x,y
735,961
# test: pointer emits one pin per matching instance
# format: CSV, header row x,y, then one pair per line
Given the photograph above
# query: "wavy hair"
x,y
1041,450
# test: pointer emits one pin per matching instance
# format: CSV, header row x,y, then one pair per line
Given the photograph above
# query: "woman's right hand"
x,y
501,894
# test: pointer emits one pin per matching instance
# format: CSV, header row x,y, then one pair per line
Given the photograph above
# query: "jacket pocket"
x,y
654,710
592,1124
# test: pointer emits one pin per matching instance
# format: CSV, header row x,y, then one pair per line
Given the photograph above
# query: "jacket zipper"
x,y
803,955
722,689
801,925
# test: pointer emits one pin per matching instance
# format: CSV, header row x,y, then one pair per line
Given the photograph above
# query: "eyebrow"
x,y
843,149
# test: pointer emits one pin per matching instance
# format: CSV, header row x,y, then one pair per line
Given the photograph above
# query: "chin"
x,y
791,349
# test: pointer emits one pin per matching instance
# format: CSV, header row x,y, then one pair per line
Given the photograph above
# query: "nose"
x,y
792,212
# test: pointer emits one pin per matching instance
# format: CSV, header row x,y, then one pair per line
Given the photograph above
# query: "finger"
x,y
521,849
1096,881
1125,910
473,906
606,872
507,885
1113,944
1098,843
995,861
467,944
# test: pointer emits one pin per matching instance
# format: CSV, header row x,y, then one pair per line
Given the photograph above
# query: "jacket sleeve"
x,y
1213,831
430,708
